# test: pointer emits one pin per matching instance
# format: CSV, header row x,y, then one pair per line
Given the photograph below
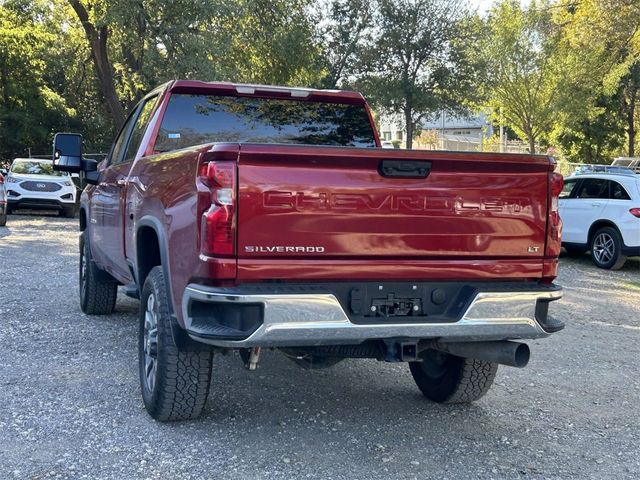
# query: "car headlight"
x,y
67,183
12,180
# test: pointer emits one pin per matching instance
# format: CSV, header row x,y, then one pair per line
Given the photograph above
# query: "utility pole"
x,y
501,132
442,147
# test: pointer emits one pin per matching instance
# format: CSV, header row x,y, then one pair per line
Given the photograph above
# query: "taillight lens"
x,y
635,212
218,221
554,223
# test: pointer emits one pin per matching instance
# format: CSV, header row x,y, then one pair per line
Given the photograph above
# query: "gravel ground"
x,y
71,406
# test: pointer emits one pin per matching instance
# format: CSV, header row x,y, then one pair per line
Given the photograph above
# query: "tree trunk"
x,y
97,39
409,126
631,127
532,143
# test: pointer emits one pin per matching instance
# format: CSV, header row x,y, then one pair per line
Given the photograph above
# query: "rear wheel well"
x,y
597,226
148,253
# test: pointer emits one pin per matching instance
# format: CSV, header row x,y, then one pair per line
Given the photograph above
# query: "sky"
x,y
483,5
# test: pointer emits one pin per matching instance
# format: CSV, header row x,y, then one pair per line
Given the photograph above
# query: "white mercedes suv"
x,y
34,184
600,211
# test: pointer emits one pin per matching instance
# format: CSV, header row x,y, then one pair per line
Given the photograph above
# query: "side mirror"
x,y
67,152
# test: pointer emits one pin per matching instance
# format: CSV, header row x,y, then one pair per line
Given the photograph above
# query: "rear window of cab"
x,y
198,119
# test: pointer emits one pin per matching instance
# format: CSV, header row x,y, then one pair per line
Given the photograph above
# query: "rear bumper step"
x,y
236,319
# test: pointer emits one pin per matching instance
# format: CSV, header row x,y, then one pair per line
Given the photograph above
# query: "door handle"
x,y
404,168
596,204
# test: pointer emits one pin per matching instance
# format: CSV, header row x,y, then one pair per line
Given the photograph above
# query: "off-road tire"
x,y
181,382
3,220
98,290
446,378
617,259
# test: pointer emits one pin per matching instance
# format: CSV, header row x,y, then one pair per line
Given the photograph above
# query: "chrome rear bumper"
x,y
306,319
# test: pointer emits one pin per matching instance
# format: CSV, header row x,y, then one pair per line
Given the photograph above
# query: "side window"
x,y
139,128
569,185
594,188
117,153
617,191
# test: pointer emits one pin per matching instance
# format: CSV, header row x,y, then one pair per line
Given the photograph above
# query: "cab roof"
x,y
264,91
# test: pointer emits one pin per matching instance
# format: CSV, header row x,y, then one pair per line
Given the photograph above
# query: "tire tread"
x,y
101,294
183,377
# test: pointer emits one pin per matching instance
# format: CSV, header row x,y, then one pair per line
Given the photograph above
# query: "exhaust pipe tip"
x,y
521,355
513,354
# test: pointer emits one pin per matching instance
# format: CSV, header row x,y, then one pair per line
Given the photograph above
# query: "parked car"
x,y
34,184
600,210
248,217
3,202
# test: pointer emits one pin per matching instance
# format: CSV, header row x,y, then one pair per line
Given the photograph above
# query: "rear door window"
x,y
197,119
139,128
593,188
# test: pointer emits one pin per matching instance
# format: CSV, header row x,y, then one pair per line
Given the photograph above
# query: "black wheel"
x,y
98,290
606,249
446,378
3,220
174,383
69,212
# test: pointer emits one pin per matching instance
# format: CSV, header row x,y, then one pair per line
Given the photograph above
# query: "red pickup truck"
x,y
247,217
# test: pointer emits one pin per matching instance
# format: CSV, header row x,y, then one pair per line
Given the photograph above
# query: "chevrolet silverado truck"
x,y
247,217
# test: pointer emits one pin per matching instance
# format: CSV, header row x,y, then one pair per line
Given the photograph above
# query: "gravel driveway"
x,y
71,406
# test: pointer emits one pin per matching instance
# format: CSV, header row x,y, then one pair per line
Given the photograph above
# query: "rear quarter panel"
x,y
163,190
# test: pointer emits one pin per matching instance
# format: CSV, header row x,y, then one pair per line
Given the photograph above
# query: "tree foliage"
x,y
566,72
413,66
523,68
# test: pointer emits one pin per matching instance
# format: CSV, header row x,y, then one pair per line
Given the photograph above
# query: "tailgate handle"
x,y
405,168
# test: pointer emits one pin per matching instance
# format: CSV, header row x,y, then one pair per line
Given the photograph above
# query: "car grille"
x,y
41,186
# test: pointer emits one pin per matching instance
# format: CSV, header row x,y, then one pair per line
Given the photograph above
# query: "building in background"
x,y
473,132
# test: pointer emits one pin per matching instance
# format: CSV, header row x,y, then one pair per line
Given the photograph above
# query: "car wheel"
x,y
446,378
174,383
98,290
606,249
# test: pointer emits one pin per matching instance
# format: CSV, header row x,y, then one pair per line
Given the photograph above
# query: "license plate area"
x,y
390,306
402,302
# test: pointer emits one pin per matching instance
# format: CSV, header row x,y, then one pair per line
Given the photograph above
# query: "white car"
x,y
34,184
600,212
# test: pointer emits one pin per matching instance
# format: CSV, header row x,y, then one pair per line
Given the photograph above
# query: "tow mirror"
x,y
67,152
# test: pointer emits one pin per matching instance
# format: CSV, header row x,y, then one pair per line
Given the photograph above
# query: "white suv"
x,y
601,213
34,184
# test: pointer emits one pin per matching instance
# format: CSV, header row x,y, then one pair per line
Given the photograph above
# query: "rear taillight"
x,y
217,232
554,223
635,212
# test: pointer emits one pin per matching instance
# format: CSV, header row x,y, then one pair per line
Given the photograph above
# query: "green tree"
x,y
345,37
601,40
523,70
30,109
412,67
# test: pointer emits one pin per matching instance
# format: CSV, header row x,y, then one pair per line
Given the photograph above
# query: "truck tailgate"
x,y
337,206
